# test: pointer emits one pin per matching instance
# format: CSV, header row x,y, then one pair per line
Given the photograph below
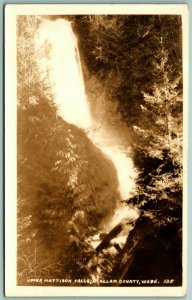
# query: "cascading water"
x,y
66,77
65,72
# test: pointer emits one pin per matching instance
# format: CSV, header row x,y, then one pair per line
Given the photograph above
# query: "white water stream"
x,y
66,76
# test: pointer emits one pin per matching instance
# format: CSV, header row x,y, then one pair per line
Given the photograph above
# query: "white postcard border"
x,y
11,11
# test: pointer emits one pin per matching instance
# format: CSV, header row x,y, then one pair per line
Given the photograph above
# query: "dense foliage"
x,y
138,60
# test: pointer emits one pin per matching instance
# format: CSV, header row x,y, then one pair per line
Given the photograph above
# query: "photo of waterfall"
x,y
100,108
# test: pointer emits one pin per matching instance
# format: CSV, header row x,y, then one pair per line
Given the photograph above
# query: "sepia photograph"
x,y
95,150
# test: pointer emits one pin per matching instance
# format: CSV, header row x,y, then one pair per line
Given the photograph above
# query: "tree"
x,y
144,54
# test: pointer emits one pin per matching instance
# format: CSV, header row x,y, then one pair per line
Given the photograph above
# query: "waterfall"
x,y
66,76
65,72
